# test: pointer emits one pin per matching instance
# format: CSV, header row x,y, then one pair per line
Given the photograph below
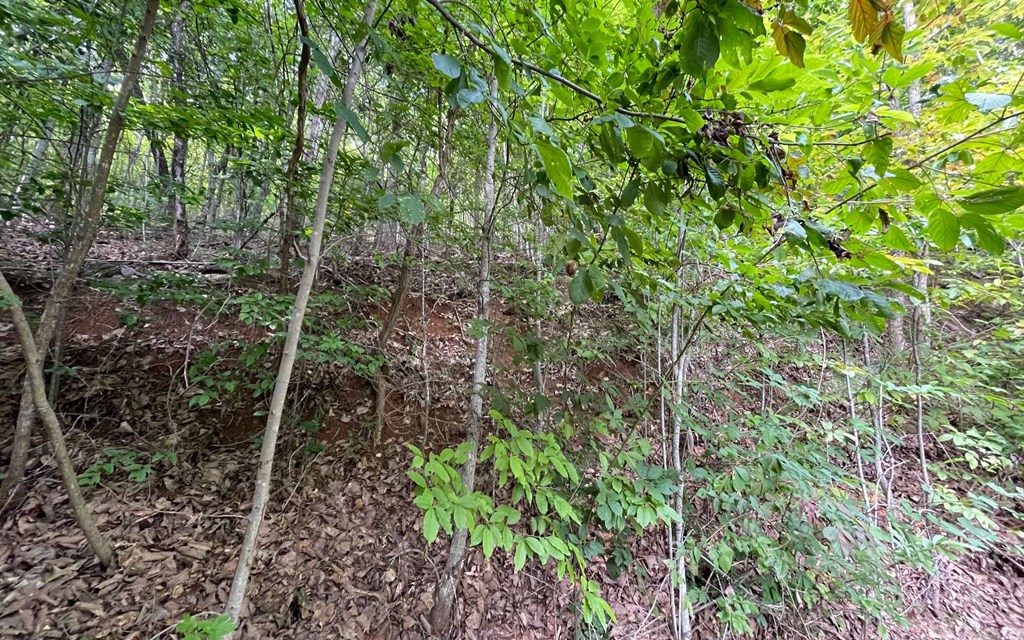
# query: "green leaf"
x,y
725,216
914,73
446,64
655,199
794,230
987,102
412,210
699,49
466,98
791,19
724,557
987,236
902,180
556,165
716,183
878,152
594,282
773,82
503,73
536,546
489,542
993,201
943,228
520,557
737,41
795,46
322,61
896,239
891,37
643,142
431,525
846,291
629,193
611,143
1009,30
219,627
462,516
578,293
351,119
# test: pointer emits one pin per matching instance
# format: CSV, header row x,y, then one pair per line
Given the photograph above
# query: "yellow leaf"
x,y
779,36
863,18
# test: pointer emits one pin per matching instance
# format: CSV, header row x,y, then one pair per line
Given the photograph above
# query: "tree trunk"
x,y
163,173
682,629
261,494
412,242
179,153
85,234
896,327
316,123
36,161
34,373
289,215
878,418
215,188
444,592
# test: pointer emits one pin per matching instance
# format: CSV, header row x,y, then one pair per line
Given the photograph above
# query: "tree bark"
x,y
36,160
401,291
215,188
179,153
261,495
85,234
34,374
444,592
682,625
289,215
316,123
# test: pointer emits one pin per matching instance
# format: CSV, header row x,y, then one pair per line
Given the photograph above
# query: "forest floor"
x,y
341,553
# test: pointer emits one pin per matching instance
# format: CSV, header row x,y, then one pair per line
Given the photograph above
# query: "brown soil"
x,y
342,555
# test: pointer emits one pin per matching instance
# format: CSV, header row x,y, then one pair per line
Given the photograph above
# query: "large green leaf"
x,y
943,228
725,216
772,82
902,180
987,102
578,293
655,199
412,210
556,164
431,525
352,120
846,291
877,154
985,234
446,64
716,183
993,201
643,142
321,60
896,239
699,49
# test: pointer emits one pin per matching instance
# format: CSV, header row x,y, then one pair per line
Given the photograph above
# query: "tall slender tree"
x,y
85,234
